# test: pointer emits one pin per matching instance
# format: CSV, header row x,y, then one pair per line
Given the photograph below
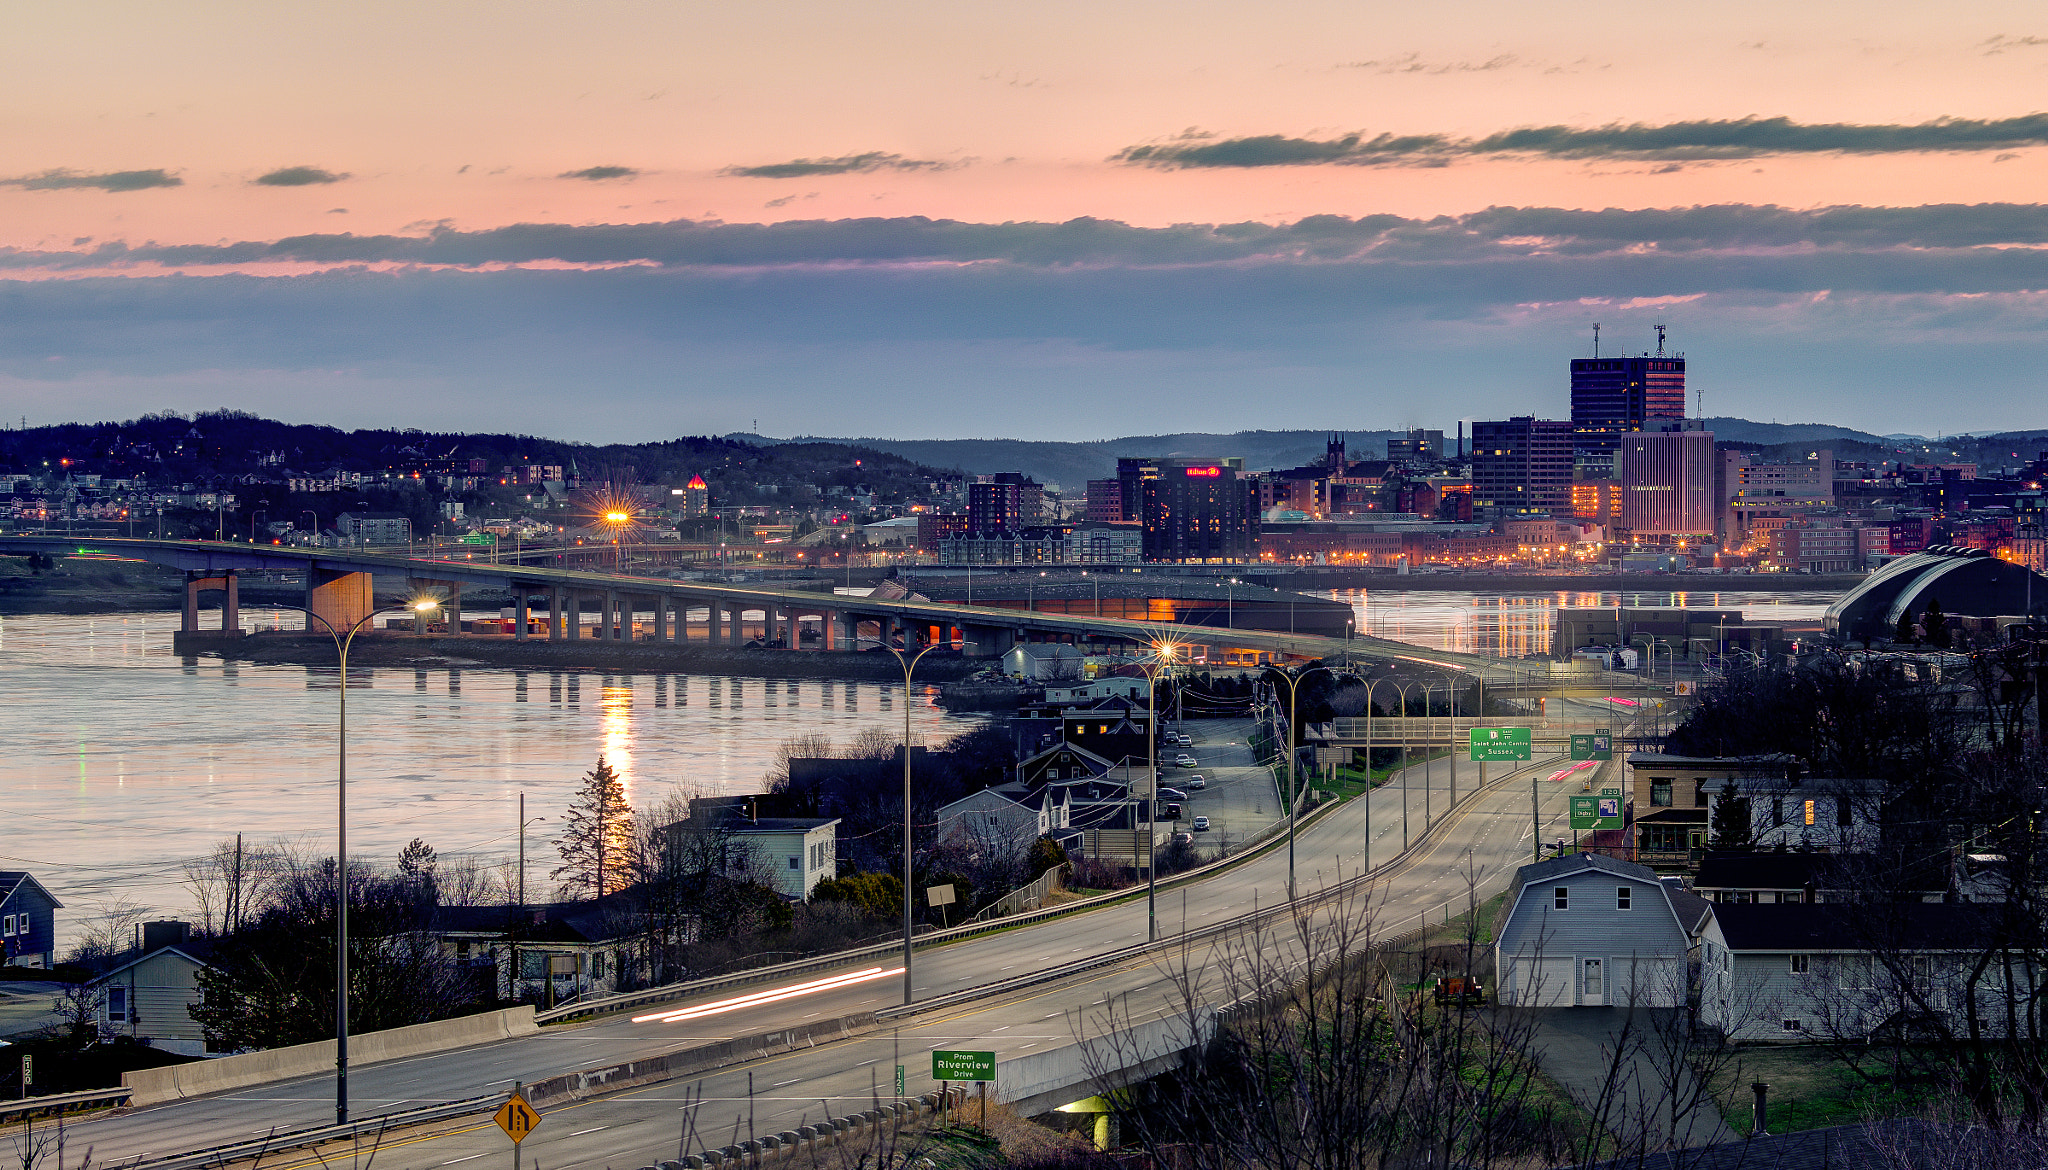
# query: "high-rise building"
x,y
1419,444
1667,482
1522,469
1194,510
1105,502
1615,396
1008,502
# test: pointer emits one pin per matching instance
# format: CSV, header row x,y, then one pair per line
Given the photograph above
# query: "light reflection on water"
x,y
120,760
1519,625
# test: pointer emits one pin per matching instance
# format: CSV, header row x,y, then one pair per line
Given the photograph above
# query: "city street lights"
x,y
908,665
1294,788
343,639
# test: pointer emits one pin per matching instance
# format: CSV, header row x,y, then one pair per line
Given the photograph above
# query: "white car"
x,y
1201,824
1184,761
1196,783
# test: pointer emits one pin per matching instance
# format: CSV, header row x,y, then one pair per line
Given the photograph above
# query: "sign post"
x,y
517,1119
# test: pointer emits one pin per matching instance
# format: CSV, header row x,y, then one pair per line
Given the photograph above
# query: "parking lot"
x,y
1241,798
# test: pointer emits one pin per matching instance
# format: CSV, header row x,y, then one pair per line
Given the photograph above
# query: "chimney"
x,y
1760,1089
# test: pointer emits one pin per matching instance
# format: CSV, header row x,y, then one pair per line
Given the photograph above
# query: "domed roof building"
x,y
1966,582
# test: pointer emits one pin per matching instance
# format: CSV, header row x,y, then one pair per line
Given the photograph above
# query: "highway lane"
x,y
1492,830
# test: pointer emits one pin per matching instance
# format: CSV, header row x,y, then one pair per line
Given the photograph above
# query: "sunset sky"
x,y
1049,220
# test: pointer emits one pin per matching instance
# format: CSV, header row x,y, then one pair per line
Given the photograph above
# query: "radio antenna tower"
x,y
1660,339
1596,339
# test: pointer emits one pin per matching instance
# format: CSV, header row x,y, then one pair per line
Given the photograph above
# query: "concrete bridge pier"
x,y
612,621
231,607
661,618
521,606
341,598
572,617
736,629
988,641
554,613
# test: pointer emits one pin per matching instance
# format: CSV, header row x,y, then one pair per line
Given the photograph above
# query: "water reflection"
x,y
126,760
1520,625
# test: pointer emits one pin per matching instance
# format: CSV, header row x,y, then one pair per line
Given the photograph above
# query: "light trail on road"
x,y
773,995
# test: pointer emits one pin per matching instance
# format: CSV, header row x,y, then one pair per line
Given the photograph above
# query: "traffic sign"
x,y
963,1066
1490,744
1597,812
517,1118
1598,745
477,538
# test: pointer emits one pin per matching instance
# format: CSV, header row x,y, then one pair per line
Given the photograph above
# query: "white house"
x,y
1010,814
1586,930
1828,815
1112,687
791,854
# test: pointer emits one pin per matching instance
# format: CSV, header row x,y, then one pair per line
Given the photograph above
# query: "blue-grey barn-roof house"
x,y
1586,930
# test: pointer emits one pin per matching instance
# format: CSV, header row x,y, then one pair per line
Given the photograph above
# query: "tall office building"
x,y
1194,510
1667,481
1010,502
1616,396
1522,469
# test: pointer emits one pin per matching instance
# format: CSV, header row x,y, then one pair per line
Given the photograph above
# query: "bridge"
x,y
551,604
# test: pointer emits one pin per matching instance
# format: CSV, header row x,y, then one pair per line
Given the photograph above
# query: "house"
x,y
1670,797
1088,694
1772,876
544,953
1797,972
1062,761
1587,930
28,920
149,999
788,854
1010,814
1046,662
1811,813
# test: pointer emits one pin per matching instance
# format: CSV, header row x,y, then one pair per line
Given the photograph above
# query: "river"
x,y
121,760
1519,625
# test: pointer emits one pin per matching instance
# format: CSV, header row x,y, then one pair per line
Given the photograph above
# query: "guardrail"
x,y
60,1102
319,1135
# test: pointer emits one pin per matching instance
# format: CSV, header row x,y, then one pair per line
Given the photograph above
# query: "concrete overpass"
x,y
550,603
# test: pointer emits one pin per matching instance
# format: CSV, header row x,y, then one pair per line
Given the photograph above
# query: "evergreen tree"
x,y
1730,826
597,843
1905,635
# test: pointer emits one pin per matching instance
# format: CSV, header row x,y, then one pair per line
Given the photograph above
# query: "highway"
x,y
1489,833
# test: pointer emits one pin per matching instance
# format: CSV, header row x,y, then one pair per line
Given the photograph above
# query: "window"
x,y
1563,896
1792,1025
21,922
1798,964
1777,811
1809,812
117,1005
795,862
7,924
1621,896
1660,793
1842,811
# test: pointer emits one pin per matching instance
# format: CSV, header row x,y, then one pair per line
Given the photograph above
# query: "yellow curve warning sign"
x,y
517,1118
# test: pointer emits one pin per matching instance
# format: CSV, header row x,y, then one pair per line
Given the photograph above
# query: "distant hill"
x,y
1072,465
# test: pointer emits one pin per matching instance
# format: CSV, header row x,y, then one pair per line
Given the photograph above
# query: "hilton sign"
x,y
1203,472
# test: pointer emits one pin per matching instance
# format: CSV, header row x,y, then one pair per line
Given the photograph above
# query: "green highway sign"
x,y
963,1066
1491,744
1597,812
1598,745
484,538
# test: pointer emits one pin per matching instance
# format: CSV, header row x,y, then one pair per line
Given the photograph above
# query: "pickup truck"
x,y
1462,990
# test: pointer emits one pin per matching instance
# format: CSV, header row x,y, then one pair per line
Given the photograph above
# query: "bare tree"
x,y
109,931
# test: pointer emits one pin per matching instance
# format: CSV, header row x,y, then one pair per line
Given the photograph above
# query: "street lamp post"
x,y
512,976
1403,688
342,641
1293,786
1162,658
908,665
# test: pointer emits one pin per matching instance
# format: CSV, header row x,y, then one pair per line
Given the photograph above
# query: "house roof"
x,y
180,950
778,824
1577,863
1692,910
1842,926
560,922
1770,870
1657,759
12,879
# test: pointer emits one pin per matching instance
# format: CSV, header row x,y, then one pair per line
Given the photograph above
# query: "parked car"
x,y
1183,838
1201,824
1183,740
1172,813
1195,783
1172,794
1184,761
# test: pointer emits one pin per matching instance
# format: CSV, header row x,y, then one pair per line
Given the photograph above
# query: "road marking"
x,y
592,1129
780,1084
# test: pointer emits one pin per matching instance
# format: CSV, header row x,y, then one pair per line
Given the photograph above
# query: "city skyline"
x,y
780,219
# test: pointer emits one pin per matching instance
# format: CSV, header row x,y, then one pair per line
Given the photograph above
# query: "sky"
x,y
617,221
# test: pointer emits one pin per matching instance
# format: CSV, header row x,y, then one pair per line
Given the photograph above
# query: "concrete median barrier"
x,y
155,1085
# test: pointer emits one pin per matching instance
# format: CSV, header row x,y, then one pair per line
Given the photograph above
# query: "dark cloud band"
x,y
598,174
299,177
1676,141
851,164
63,180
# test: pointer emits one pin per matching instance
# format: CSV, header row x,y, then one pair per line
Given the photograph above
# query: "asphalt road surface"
x,y
1485,838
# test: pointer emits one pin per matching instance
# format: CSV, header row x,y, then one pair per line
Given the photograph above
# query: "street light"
x,y
342,641
1294,788
1162,660
908,665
